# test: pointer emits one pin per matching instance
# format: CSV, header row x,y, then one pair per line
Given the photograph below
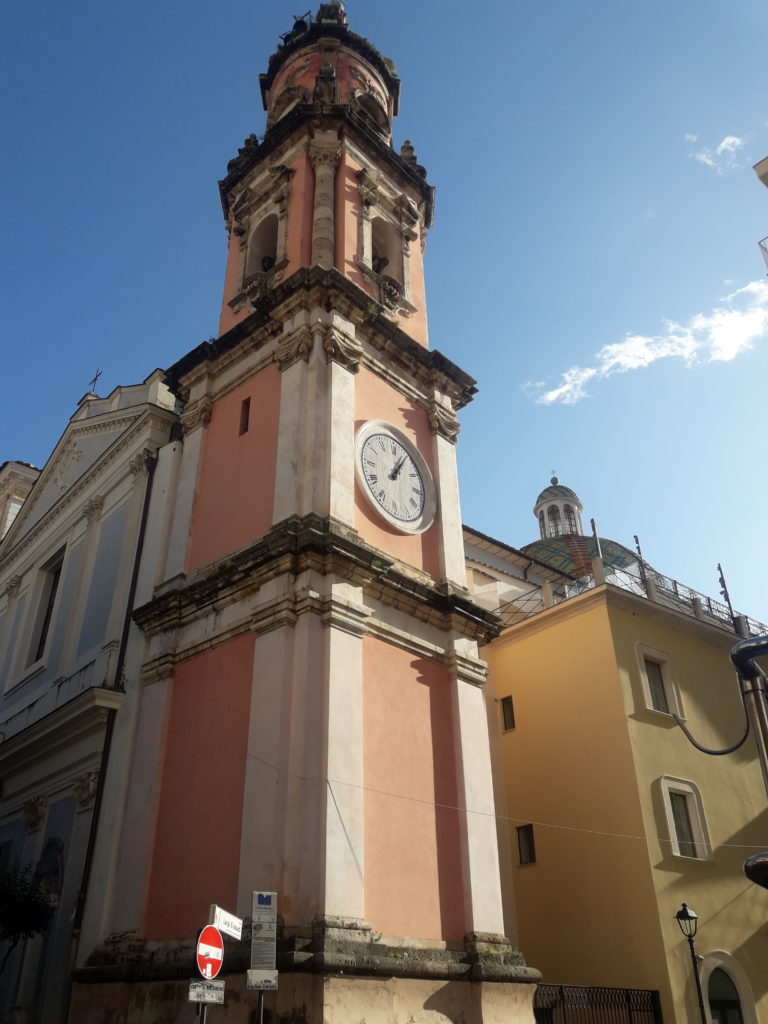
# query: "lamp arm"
x,y
726,750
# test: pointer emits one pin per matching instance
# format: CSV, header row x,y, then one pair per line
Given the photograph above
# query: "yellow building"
x,y
613,818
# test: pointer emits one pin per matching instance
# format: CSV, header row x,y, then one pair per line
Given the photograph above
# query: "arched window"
x,y
262,251
555,524
542,525
724,1002
386,254
570,520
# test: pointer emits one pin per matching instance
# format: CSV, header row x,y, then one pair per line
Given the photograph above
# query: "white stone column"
x,y
324,152
483,911
193,420
445,428
344,876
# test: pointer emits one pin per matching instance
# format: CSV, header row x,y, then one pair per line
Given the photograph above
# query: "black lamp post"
x,y
689,921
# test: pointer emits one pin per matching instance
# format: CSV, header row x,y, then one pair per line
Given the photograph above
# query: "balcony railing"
x,y
642,580
576,1004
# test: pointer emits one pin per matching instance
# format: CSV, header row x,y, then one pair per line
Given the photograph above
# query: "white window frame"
x,y
671,688
728,963
669,784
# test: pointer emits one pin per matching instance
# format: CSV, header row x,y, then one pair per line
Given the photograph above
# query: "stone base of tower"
x,y
323,980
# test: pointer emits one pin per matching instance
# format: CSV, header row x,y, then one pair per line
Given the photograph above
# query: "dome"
x,y
557,490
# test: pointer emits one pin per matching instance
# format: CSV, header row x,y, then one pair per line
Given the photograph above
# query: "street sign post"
x,y
264,934
210,952
226,922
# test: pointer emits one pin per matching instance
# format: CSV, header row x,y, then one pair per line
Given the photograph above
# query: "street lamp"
x,y
689,922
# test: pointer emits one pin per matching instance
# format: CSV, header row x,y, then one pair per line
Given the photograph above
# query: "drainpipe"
x,y
150,461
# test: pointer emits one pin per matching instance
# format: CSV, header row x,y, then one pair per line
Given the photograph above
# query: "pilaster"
x,y
324,152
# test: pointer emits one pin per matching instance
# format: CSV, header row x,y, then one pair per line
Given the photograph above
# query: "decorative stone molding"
x,y
92,509
138,464
198,414
324,154
443,422
12,586
69,457
369,192
341,348
293,347
84,788
34,812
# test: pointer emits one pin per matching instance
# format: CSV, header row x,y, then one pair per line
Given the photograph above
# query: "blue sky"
x,y
593,261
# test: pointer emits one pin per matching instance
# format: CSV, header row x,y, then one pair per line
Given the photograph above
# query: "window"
x,y
555,526
386,249
724,1002
655,677
526,847
245,415
52,576
660,690
507,713
685,818
262,250
570,520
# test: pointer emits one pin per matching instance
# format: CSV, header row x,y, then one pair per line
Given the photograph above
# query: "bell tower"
x,y
309,649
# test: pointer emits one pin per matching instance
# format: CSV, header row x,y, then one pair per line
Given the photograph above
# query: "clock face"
x,y
394,477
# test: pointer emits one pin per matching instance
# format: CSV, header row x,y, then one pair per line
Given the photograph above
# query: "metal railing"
x,y
642,580
576,1004
763,243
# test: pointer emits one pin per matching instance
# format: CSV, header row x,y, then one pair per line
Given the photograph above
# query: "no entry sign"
x,y
210,952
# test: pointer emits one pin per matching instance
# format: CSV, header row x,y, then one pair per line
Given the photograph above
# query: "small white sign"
x,y
264,931
206,992
266,980
226,922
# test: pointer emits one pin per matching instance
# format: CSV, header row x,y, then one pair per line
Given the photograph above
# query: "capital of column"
x,y
324,154
443,422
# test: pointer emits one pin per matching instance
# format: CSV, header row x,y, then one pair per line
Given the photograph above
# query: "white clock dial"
x,y
395,477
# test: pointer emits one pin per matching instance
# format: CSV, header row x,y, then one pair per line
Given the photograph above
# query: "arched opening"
x,y
386,250
542,525
262,251
570,520
373,111
555,523
724,1002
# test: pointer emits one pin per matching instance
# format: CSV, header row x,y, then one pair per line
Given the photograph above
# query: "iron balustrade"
x,y
577,1004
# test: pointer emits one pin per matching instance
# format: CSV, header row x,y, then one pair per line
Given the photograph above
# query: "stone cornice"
x,y
60,728
306,116
302,544
316,287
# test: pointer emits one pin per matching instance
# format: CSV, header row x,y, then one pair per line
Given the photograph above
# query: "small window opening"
x,y
386,255
555,524
507,713
526,847
47,604
262,251
654,673
681,816
570,519
245,415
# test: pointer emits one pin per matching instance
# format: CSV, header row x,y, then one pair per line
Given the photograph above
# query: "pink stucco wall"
x,y
412,842
236,483
197,841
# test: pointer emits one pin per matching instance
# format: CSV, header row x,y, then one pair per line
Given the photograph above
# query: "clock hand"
x,y
396,471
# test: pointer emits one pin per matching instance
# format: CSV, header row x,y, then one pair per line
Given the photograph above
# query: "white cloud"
x,y
723,157
717,336
691,138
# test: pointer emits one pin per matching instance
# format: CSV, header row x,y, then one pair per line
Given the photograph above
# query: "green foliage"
x,y
25,911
